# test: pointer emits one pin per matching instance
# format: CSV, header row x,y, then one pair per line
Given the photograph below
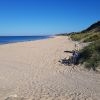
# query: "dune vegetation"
x,y
89,55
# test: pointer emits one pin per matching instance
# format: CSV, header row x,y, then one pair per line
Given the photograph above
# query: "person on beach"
x,y
75,57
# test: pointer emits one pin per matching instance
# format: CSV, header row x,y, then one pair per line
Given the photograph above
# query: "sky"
x,y
47,17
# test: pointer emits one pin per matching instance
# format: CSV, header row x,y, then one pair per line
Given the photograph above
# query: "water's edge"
x,y
15,39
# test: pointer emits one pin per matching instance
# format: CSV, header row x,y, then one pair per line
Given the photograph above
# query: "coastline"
x,y
31,70
15,39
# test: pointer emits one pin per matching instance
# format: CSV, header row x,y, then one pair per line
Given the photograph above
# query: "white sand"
x,y
31,70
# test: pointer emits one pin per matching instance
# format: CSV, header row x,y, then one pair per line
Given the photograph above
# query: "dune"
x,y
31,71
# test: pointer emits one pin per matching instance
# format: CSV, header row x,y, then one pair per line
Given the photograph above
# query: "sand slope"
x,y
31,70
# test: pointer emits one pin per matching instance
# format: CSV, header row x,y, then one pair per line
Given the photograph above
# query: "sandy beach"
x,y
31,71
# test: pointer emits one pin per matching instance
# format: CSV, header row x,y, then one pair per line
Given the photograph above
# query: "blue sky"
x,y
38,17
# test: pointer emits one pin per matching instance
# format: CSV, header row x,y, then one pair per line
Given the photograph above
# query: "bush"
x,y
92,38
79,36
90,55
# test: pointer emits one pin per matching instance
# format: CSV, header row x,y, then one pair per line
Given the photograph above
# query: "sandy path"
x,y
31,70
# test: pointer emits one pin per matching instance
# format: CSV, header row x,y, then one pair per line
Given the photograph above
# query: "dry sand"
x,y
31,71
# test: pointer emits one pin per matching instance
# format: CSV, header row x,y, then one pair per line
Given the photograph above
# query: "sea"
x,y
14,39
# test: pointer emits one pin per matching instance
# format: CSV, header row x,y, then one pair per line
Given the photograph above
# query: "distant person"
x,y
75,57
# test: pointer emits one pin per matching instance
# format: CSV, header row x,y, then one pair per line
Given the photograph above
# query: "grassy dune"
x,y
85,37
89,55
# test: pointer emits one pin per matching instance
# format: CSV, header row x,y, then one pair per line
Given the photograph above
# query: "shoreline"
x,y
31,70
6,40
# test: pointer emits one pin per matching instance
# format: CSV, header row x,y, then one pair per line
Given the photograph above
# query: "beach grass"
x,y
90,55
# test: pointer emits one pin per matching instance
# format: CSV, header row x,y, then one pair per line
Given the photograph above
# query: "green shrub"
x,y
90,55
92,38
79,36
